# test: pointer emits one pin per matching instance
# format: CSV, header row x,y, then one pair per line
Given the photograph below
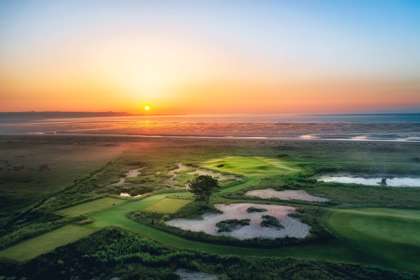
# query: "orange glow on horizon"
x,y
200,58
181,80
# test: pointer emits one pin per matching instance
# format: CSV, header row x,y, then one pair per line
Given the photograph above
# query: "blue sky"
x,y
374,42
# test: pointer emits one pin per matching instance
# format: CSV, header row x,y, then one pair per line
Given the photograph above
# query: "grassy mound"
x,y
392,225
390,233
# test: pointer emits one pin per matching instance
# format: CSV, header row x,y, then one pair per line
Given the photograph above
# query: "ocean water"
x,y
350,127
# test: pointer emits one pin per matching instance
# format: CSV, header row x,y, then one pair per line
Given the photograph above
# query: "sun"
x,y
147,108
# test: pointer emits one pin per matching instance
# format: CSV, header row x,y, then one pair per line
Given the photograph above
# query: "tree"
x,y
202,187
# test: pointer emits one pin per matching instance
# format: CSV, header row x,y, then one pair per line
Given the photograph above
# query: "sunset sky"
x,y
213,56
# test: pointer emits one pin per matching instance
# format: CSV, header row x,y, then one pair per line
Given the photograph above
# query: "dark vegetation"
x,y
270,221
231,224
29,225
255,209
117,253
202,187
195,210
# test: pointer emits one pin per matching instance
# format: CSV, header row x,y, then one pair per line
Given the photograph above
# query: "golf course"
x,y
209,140
356,231
375,235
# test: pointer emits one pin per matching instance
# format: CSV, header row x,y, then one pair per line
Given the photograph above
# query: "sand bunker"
x,y
373,181
194,275
219,176
285,195
124,194
291,227
180,167
130,174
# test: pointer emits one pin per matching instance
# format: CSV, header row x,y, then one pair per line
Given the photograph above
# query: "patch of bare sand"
x,y
291,227
127,195
194,275
130,174
285,195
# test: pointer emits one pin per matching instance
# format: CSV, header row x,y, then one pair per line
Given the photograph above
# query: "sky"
x,y
215,56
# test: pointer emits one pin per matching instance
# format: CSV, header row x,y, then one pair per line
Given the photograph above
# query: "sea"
x,y
305,127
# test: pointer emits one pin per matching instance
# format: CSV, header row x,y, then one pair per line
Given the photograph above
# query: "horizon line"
x,y
123,113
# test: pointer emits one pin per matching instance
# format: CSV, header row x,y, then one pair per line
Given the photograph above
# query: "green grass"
x,y
167,206
251,166
338,250
44,243
382,237
117,216
372,246
91,206
393,235
389,225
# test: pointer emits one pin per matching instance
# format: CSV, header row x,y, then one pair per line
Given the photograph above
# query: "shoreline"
x,y
211,137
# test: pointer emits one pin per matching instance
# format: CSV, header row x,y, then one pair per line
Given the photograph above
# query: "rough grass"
x,y
36,168
114,253
167,206
251,166
89,207
44,243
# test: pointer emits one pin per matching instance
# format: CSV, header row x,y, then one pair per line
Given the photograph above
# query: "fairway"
x,y
376,253
392,234
44,243
251,166
91,206
391,225
167,205
385,237
376,242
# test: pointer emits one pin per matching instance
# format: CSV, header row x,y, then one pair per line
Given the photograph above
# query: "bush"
x,y
270,221
231,224
253,209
